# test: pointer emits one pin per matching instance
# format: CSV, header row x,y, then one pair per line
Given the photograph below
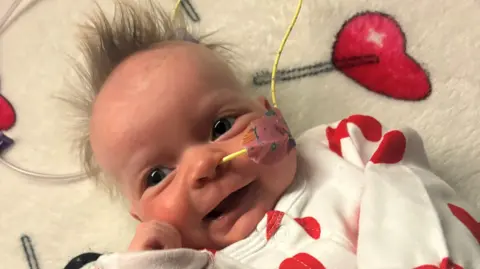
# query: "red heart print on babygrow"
x,y
371,129
467,220
392,144
396,74
309,224
445,264
274,219
301,260
391,149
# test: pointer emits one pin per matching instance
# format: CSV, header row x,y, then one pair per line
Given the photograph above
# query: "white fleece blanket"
x,y
55,223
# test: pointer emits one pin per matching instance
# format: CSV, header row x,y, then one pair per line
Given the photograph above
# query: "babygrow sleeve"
x,y
409,217
166,259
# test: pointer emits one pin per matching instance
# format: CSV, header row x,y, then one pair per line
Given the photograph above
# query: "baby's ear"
x,y
264,102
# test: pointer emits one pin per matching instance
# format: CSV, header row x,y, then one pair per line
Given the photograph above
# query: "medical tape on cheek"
x,y
267,140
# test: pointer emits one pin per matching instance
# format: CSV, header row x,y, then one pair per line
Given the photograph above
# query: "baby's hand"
x,y
155,235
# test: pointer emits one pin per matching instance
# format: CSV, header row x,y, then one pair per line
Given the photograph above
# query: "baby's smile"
x,y
231,207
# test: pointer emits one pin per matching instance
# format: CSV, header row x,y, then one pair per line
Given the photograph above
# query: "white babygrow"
x,y
364,197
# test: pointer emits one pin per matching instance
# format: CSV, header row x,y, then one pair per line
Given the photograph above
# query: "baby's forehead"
x,y
166,63
174,77
174,54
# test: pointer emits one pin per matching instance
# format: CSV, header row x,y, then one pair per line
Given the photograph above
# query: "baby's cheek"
x,y
173,211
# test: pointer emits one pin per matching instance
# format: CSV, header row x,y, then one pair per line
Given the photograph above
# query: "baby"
x,y
164,107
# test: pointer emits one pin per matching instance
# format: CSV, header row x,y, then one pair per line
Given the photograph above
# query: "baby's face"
x,y
161,125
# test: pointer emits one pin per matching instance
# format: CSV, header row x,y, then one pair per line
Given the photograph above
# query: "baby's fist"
x,y
155,235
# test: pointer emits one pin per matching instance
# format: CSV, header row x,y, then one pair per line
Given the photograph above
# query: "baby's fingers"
x,y
155,235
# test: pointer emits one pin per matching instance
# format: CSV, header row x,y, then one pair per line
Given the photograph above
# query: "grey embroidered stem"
x,y
29,252
283,75
190,10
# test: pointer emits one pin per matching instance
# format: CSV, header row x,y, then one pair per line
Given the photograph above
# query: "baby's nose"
x,y
201,165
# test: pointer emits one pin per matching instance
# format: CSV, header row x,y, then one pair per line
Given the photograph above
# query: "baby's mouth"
x,y
228,204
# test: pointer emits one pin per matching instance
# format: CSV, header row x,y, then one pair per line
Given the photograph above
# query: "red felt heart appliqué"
x,y
7,114
395,73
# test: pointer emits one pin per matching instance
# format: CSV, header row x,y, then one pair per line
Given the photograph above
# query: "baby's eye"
x,y
221,126
156,176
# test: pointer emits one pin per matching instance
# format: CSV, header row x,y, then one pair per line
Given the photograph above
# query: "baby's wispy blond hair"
x,y
104,44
